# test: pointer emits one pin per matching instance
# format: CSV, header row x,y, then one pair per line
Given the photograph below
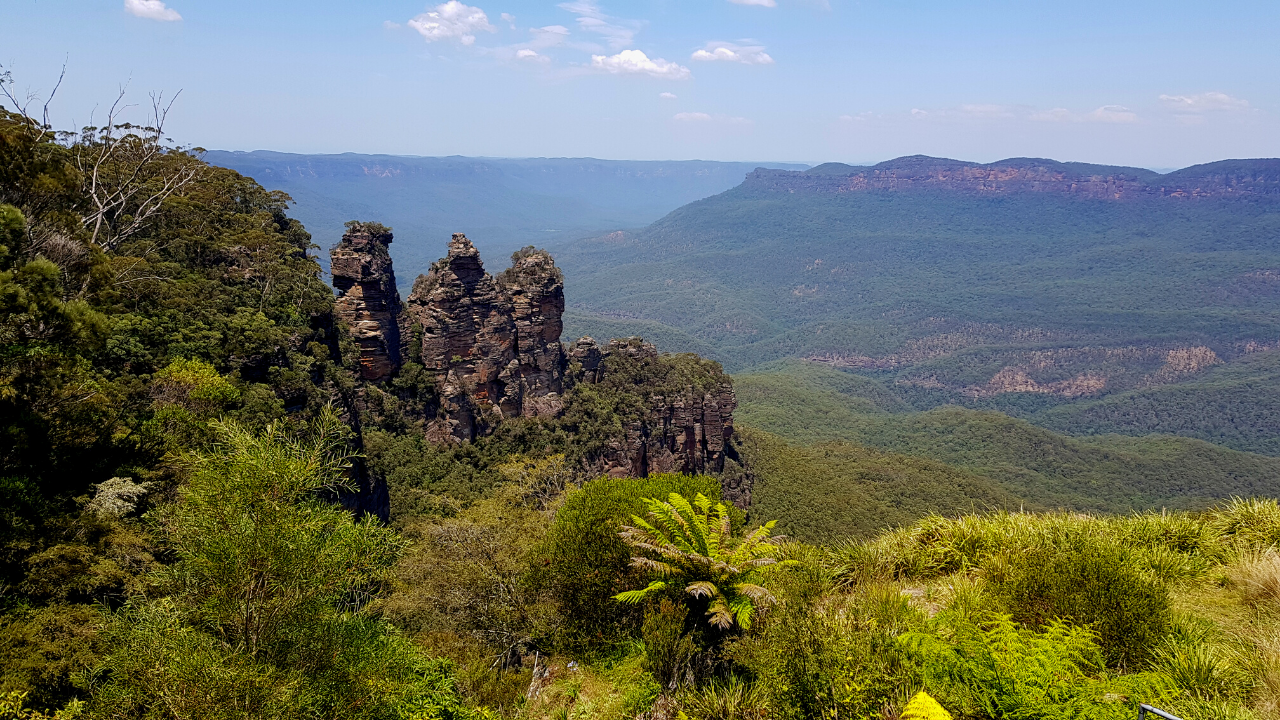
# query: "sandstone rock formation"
x,y
491,346
494,343
687,431
367,302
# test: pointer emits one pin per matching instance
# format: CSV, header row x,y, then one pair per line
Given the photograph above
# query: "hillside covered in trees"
x,y
1087,299
229,490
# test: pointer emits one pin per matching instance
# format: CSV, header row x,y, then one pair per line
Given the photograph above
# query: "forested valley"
x,y
225,496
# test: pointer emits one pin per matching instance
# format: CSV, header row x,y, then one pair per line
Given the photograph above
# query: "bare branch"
x,y
53,92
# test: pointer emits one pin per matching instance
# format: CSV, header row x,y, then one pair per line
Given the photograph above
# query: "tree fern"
x,y
689,548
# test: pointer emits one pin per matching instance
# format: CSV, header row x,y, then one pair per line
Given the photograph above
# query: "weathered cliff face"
x,y
687,429
367,302
1230,178
494,344
491,346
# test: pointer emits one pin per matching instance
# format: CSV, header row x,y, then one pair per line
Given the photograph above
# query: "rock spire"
x,y
367,302
494,343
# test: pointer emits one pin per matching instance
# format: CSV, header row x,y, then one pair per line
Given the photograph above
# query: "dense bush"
x,y
265,613
1091,584
586,563
997,669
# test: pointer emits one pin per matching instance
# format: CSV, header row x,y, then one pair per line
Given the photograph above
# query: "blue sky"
x,y
1154,84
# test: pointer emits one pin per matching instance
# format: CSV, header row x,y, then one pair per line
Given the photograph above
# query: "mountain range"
x,y
503,203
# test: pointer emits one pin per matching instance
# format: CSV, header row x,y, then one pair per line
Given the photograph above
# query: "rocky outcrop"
x,y
368,304
686,429
491,348
493,343
1230,178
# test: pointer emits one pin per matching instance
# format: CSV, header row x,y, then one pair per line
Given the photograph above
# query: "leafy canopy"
x,y
693,544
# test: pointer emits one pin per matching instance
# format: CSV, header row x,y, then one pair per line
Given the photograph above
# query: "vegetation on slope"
x,y
939,293
810,404
1235,405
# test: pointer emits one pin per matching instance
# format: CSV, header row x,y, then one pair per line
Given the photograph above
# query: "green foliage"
x,y
998,669
463,589
936,546
834,491
1029,464
694,547
586,563
670,650
44,651
373,228
265,613
193,384
1089,584
819,655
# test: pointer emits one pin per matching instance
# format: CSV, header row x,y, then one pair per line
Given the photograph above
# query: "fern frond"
x,y
631,597
702,589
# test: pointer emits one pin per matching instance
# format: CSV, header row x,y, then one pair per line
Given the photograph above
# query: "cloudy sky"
x,y
1156,84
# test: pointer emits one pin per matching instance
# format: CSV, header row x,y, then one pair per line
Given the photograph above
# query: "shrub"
x,y
819,656
585,563
728,699
998,669
669,648
1089,583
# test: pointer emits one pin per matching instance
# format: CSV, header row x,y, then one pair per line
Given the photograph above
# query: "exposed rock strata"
x,y
491,345
494,343
367,302
689,431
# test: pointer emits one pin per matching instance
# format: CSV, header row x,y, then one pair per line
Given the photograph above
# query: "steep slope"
x,y
1108,473
1016,286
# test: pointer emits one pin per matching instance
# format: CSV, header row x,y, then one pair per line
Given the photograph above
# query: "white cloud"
x,y
1112,114
705,118
529,55
986,111
667,96
636,62
918,113
451,20
390,25
1204,102
761,3
509,19
151,10
1116,114
729,52
549,36
618,33
1054,115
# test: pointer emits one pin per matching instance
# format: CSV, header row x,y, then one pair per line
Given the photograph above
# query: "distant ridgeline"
x,y
1082,297
468,350
506,203
1228,178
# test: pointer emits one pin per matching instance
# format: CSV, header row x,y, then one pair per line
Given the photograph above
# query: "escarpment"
x,y
683,421
490,348
1225,179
